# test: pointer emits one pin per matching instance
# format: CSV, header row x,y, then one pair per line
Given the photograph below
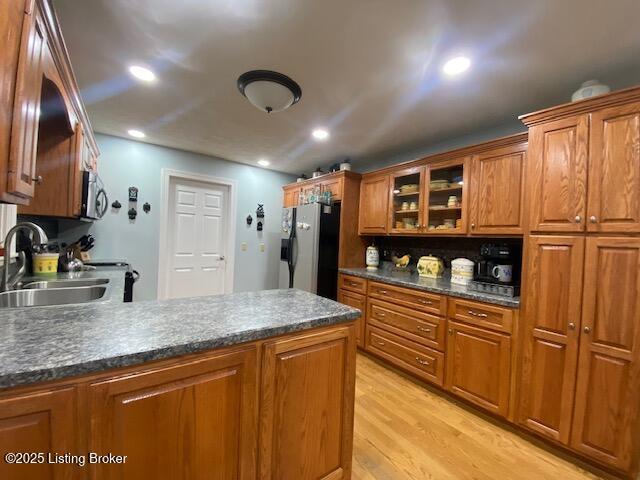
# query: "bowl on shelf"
x,y
409,188
438,184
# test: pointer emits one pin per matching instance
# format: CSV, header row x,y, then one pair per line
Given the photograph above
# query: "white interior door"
x,y
197,238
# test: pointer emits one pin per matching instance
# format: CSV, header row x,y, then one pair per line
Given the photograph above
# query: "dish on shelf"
x,y
409,188
438,207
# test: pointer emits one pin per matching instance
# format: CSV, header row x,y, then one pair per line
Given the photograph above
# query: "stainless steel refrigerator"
x,y
309,248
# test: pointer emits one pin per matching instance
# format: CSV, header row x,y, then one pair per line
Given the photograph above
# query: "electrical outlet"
x,y
243,246
262,247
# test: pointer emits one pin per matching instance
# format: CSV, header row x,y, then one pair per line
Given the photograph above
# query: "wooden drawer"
x,y
481,314
423,328
358,301
422,361
354,284
406,297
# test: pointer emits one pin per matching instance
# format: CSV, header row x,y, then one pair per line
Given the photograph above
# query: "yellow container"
x,y
45,263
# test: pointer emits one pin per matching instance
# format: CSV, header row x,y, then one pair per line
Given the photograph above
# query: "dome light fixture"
x,y
269,91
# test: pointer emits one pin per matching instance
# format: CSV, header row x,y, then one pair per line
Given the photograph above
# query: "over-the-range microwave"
x,y
94,197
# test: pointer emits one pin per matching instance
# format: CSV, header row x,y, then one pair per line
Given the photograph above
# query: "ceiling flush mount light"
x,y
320,134
136,133
142,73
456,66
269,91
263,163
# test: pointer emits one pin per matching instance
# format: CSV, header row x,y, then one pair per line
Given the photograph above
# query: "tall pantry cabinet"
x,y
580,382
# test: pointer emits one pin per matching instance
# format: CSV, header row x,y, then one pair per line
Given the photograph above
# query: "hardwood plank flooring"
x,y
406,432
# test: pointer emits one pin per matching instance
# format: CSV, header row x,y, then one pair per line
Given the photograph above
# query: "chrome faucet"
x,y
39,237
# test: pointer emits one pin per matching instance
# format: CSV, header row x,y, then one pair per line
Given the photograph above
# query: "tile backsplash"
x,y
447,248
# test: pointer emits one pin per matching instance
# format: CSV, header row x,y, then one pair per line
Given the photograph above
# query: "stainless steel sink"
x,y
50,296
83,282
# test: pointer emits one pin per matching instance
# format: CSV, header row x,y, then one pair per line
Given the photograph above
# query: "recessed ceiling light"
x,y
456,66
142,73
263,163
320,134
136,133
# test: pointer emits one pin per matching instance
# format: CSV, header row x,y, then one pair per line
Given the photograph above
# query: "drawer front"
x,y
481,314
422,361
353,284
358,301
423,301
419,327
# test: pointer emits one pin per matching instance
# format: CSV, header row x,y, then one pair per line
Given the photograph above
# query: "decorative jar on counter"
x,y
430,267
372,258
461,271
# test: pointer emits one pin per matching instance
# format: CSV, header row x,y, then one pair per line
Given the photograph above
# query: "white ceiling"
x,y
369,69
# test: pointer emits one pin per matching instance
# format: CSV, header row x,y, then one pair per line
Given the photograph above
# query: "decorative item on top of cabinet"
x,y
374,204
445,180
497,190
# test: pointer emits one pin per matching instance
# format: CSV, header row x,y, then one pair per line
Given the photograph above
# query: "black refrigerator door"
x,y
287,253
328,252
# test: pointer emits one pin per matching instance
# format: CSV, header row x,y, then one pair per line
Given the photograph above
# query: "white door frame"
x,y
166,175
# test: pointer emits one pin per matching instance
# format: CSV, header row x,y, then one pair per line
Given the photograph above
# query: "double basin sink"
x,y
55,292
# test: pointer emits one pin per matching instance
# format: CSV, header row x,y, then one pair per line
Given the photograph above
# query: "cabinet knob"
x,y
572,326
593,219
37,179
587,330
578,219
473,225
451,331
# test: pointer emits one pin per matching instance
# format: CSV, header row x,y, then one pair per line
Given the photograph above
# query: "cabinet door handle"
x,y
425,302
423,329
473,225
382,344
572,326
422,362
587,330
578,219
380,314
593,219
451,331
475,314
354,284
382,292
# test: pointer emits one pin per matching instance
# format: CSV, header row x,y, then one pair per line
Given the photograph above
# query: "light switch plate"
x,y
261,247
243,246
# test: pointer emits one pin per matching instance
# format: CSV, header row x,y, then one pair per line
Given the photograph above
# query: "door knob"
x,y
593,219
578,219
221,257
587,329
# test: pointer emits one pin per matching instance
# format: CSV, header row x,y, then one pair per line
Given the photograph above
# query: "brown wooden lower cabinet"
x,y
305,423
358,301
479,366
277,409
191,420
38,422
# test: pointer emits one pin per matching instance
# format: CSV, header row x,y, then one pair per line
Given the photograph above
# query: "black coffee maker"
x,y
499,264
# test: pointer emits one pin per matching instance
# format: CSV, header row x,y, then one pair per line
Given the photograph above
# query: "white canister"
x,y
461,271
345,166
372,258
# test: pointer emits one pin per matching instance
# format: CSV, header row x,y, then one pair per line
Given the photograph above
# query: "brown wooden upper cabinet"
x,y
406,201
602,146
374,204
614,170
446,188
497,191
24,122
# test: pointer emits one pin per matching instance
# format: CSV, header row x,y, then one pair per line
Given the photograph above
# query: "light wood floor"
x,y
405,432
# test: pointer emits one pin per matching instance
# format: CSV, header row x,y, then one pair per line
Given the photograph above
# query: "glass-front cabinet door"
x,y
446,197
407,201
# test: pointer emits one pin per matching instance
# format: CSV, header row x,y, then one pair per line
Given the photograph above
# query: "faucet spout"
x,y
38,237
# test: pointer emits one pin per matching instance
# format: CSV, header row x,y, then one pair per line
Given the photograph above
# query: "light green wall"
x,y
124,163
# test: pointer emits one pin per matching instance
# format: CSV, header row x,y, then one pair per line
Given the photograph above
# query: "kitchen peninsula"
x,y
246,385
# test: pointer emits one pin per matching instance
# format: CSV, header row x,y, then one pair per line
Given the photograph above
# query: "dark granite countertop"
x,y
47,343
434,285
